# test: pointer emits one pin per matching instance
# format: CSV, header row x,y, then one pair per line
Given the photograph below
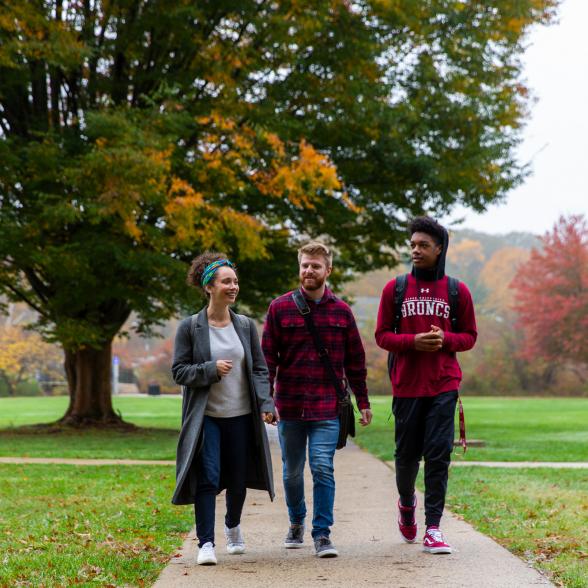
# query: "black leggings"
x,y
225,449
424,428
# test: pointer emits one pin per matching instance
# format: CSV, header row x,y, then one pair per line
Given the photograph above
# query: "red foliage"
x,y
552,295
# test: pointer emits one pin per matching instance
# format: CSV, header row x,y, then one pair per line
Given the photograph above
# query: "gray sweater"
x,y
230,396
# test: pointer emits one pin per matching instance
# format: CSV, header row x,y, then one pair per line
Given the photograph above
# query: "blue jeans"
x,y
322,443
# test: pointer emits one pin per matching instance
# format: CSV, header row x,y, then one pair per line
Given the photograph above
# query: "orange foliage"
x,y
496,276
23,355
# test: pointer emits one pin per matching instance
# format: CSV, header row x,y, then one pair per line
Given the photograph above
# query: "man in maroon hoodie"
x,y
425,376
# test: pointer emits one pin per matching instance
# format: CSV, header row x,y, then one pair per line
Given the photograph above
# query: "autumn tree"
x,y
465,260
552,297
134,134
155,369
24,356
496,277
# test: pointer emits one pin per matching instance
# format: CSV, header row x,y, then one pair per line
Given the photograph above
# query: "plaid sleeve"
x,y
355,368
269,344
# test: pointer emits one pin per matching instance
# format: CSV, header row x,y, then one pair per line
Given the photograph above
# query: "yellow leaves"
x,y
218,121
193,220
301,181
515,25
466,253
182,209
314,163
496,276
128,181
247,232
234,156
23,353
243,143
132,229
131,179
275,143
183,192
27,32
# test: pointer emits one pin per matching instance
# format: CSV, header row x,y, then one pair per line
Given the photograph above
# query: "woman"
x,y
223,443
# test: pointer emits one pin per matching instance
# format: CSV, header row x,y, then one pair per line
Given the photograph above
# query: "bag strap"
x,y
399,292
462,430
322,351
453,295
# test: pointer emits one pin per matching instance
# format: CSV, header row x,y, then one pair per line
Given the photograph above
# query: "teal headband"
x,y
210,269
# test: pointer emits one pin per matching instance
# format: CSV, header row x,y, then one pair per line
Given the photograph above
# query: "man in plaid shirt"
x,y
304,395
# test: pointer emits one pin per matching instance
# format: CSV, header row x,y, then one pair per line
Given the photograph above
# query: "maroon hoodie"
x,y
426,303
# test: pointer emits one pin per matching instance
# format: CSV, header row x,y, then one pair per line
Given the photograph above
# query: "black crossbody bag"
x,y
344,404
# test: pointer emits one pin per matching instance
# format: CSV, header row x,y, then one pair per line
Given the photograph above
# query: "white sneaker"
x,y
235,543
206,555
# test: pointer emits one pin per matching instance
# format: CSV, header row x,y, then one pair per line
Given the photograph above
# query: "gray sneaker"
x,y
295,537
324,547
235,543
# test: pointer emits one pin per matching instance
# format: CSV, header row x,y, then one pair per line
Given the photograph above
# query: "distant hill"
x,y
491,243
486,263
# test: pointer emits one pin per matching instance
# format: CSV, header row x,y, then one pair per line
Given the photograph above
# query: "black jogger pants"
x,y
424,428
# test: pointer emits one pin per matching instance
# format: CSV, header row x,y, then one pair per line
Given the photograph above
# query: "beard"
x,y
312,284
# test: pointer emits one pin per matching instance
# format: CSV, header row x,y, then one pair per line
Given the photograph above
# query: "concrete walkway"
x,y
576,465
85,462
365,532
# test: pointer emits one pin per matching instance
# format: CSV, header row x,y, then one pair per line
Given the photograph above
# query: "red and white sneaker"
x,y
406,521
434,542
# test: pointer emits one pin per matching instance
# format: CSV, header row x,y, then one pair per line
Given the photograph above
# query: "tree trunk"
x,y
9,386
548,376
88,378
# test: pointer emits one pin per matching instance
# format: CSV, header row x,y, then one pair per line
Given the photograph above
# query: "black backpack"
x,y
400,291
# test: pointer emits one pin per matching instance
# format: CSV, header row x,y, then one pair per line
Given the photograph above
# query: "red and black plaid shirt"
x,y
299,382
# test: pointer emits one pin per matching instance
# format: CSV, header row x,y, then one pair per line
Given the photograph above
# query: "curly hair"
x,y
425,224
198,266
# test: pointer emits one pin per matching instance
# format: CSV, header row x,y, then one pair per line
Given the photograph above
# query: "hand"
x,y
431,341
439,331
276,416
366,417
223,367
267,417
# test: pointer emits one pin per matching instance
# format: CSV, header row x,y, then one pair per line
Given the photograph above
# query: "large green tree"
x,y
134,133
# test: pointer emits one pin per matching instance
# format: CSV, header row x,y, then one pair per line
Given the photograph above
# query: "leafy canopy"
x,y
552,295
134,134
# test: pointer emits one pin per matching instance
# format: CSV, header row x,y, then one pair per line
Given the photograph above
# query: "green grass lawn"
x,y
93,526
163,412
513,429
63,525
540,515
159,417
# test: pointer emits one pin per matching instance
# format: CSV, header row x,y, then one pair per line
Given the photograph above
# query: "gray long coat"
x,y
194,370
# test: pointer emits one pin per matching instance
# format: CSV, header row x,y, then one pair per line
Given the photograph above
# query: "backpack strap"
x,y
453,295
399,292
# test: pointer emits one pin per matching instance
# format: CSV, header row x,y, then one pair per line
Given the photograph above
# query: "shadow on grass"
x,y
56,440
58,428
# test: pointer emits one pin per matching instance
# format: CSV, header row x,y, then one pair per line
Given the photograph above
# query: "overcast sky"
x,y
556,137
